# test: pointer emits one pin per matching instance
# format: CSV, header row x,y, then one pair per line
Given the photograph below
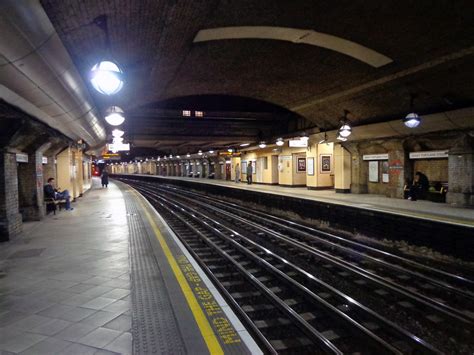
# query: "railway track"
x,y
267,251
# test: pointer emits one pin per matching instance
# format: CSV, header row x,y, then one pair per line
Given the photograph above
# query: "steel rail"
x,y
394,287
412,338
281,222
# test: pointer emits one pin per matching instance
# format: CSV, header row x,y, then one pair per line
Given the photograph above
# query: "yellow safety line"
x,y
201,320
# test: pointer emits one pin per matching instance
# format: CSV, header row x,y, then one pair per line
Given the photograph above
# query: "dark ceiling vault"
x,y
430,43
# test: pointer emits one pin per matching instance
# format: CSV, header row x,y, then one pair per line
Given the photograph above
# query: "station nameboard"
x,y
375,156
431,154
21,158
298,143
119,147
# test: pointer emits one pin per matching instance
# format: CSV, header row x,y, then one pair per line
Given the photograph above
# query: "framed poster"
x,y
310,162
385,176
325,167
301,168
373,171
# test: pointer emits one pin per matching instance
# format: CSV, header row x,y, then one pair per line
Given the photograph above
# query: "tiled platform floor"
x,y
65,283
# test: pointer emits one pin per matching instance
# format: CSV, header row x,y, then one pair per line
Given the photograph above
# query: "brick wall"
x,y
434,169
30,187
10,218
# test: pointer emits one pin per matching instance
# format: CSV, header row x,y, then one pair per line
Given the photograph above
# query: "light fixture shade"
x,y
262,145
211,152
230,150
200,152
412,120
117,140
304,137
280,142
188,155
341,138
106,77
114,116
117,133
345,130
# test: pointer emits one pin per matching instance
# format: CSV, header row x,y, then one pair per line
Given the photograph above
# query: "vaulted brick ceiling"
x,y
430,43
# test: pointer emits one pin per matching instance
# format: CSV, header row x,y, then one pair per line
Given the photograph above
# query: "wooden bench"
x,y
437,191
52,204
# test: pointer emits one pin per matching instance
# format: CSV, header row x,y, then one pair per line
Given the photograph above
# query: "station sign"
x,y
111,156
298,143
375,156
21,158
432,154
44,160
118,147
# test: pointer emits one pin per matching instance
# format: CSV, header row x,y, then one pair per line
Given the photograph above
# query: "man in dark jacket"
x,y
51,192
420,186
249,172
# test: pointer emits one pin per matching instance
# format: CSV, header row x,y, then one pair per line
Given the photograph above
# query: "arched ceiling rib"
x,y
296,35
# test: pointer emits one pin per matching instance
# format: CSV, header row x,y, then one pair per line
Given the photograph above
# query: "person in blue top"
x,y
51,192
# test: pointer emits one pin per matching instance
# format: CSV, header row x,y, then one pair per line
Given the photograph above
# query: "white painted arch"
x,y
295,35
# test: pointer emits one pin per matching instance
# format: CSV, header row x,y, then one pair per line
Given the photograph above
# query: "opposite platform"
x,y
418,209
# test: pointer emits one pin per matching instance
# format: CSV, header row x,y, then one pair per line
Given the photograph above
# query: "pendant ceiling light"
x,y
262,145
106,76
345,130
117,133
412,120
280,142
114,116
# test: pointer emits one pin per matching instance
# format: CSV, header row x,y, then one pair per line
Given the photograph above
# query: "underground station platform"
x,y
131,270
110,277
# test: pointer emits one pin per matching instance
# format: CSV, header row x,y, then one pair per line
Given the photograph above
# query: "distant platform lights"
x,y
189,113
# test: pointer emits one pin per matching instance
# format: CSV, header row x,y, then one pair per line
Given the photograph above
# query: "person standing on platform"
x,y
237,172
249,172
105,178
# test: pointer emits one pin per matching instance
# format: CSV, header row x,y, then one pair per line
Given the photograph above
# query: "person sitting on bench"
x,y
55,194
420,187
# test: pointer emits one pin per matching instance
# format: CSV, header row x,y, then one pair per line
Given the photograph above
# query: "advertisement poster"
x,y
325,164
310,166
374,171
301,165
